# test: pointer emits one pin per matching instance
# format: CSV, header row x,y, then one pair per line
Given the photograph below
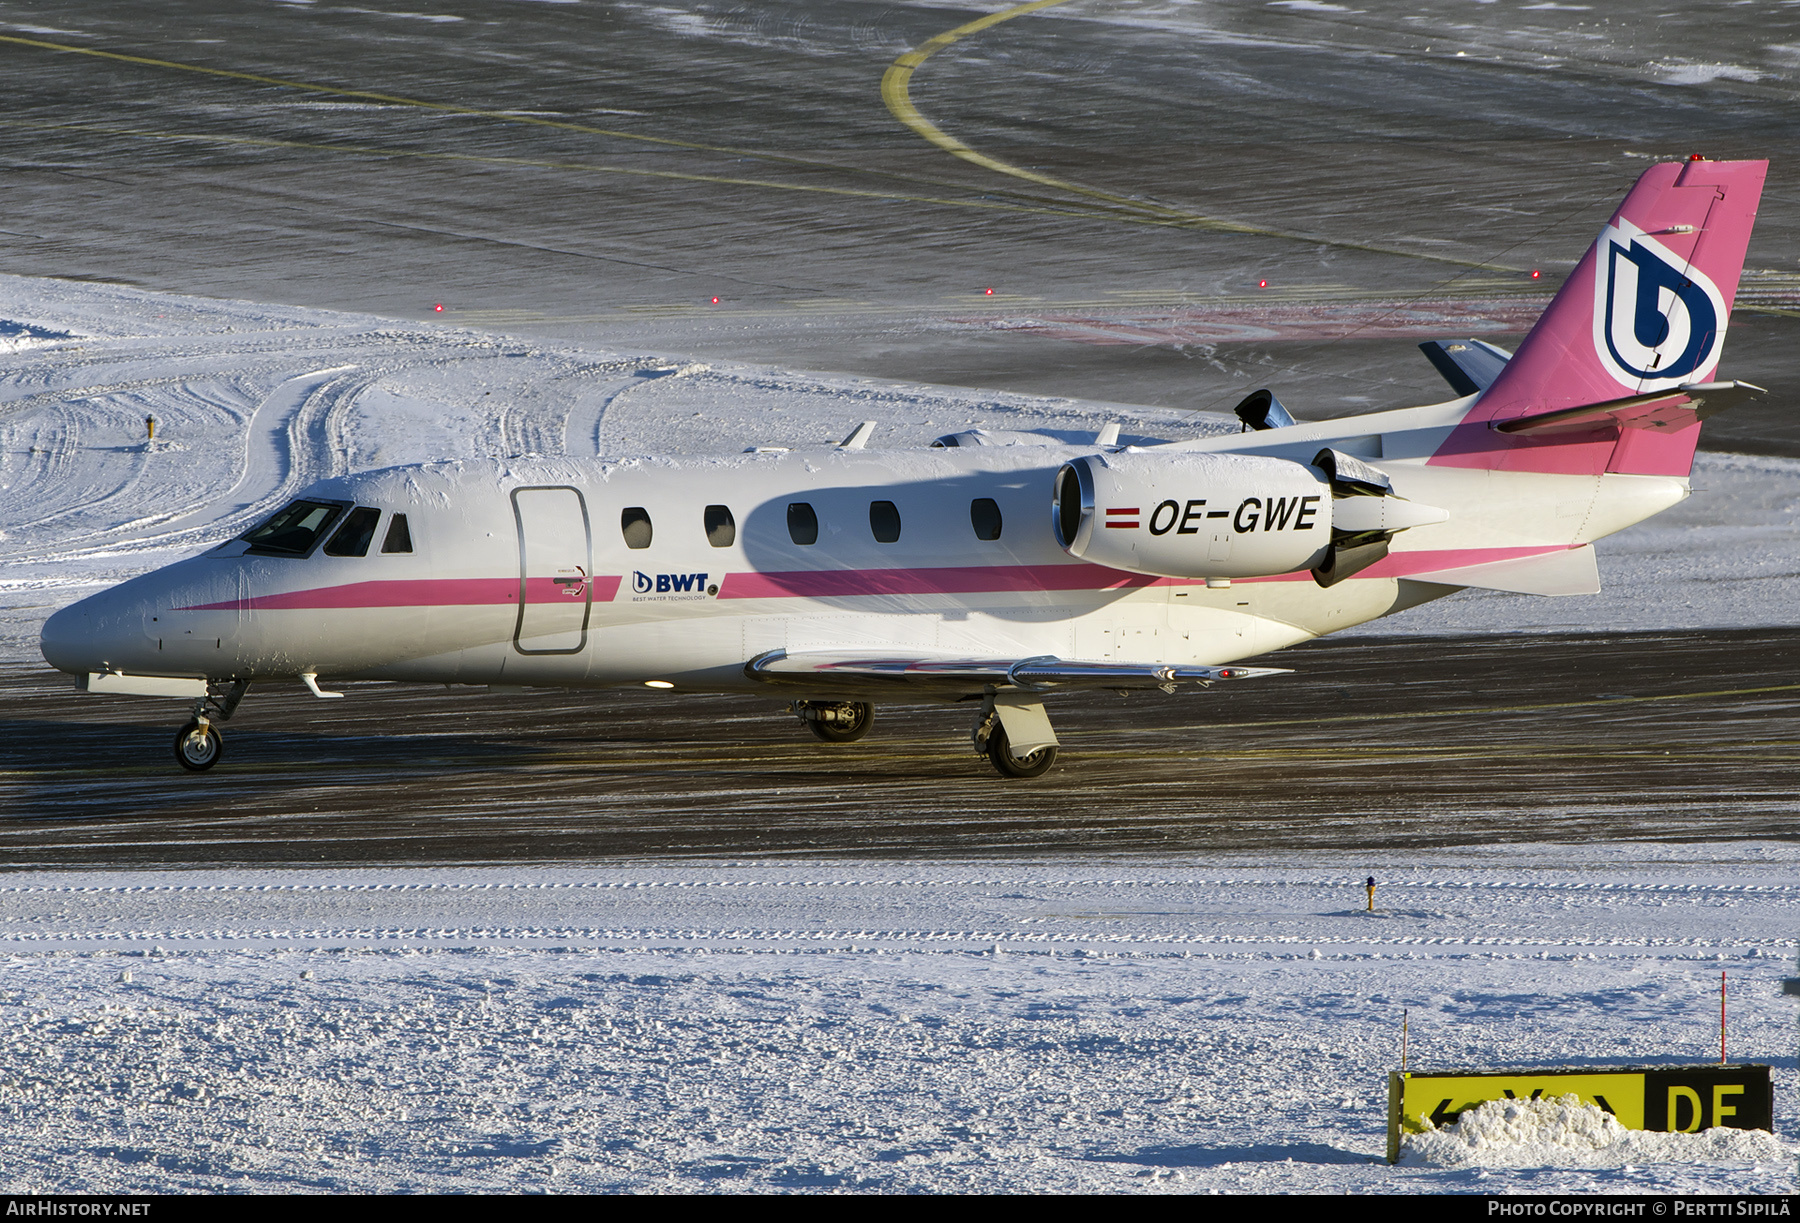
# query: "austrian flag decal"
x,y
1122,518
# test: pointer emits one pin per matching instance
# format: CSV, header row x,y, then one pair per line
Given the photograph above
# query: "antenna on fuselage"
x,y
859,436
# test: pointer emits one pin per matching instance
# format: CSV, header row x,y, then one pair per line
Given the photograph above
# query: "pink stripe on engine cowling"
x,y
419,592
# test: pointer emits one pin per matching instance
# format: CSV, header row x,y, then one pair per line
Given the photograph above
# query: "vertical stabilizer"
x,y
1645,310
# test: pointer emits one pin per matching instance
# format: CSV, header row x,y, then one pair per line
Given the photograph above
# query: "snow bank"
x,y
1564,1132
1092,1024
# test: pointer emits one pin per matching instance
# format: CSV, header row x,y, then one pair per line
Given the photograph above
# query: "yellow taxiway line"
x,y
1093,203
896,92
1052,207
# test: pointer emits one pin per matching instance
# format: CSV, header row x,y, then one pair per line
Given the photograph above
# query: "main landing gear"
x,y
1033,764
198,745
1013,731
1009,718
836,721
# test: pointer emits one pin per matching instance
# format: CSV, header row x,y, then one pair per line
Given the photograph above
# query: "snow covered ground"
x,y
1083,1025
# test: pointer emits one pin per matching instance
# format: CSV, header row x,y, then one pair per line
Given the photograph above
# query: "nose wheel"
x,y
198,746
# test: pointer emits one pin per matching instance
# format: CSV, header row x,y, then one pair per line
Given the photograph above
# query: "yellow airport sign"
x,y
1668,1099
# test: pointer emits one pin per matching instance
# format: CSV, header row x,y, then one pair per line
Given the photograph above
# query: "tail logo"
x,y
1658,320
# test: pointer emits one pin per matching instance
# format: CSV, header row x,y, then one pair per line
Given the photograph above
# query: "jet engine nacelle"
x,y
1194,515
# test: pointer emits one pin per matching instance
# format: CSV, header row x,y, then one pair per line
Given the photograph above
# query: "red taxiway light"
x,y
989,292
1262,284
438,307
1535,274
715,301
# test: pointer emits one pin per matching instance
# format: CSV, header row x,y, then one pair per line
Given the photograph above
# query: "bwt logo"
x,y
667,583
1658,320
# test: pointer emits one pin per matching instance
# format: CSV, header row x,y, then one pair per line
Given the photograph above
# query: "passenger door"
x,y
556,589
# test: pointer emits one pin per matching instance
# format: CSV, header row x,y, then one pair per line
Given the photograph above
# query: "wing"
x,y
946,676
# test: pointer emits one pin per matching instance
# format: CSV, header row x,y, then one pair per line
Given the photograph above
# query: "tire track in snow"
x,y
148,403
1326,886
980,939
292,441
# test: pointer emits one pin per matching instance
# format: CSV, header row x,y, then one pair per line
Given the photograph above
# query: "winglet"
x,y
859,436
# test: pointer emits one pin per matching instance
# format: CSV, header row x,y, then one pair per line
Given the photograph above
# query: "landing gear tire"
x,y
198,747
1007,765
847,722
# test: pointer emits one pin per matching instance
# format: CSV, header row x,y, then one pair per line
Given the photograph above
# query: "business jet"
x,y
994,570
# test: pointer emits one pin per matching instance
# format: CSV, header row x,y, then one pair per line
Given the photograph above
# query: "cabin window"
x,y
721,527
294,529
884,521
357,533
399,538
803,524
984,516
634,522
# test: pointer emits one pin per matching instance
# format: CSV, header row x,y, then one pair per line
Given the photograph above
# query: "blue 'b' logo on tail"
x,y
1658,321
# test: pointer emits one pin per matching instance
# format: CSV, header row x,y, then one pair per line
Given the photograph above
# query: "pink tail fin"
x,y
1644,311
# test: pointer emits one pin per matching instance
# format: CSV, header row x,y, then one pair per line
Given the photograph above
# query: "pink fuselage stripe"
x,y
985,579
421,592
1437,560
824,583
971,579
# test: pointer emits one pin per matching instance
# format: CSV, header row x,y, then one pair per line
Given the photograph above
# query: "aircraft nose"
x,y
101,633
76,638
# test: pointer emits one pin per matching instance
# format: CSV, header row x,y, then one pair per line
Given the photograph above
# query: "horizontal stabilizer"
x,y
1666,411
1469,366
862,672
1567,571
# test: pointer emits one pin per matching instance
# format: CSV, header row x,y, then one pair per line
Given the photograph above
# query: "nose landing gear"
x,y
198,745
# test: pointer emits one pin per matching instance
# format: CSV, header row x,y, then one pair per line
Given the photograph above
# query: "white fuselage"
x,y
520,572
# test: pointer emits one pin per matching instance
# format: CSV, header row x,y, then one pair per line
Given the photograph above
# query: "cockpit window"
x,y
399,537
357,533
295,529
